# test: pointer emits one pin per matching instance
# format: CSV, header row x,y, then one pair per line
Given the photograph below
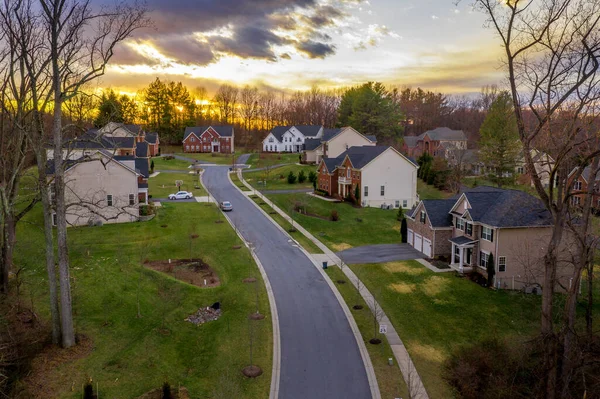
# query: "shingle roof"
x,y
141,149
328,134
331,163
411,141
372,138
438,211
306,130
506,208
360,156
586,174
444,133
133,128
223,131
119,142
462,240
141,166
152,137
93,139
312,144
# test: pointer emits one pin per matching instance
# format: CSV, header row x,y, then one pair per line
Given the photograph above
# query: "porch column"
x,y
460,265
452,256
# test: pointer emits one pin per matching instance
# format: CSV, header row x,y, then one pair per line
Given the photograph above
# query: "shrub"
x,y
291,178
321,192
166,391
334,216
357,194
88,390
301,177
400,215
152,166
404,230
312,177
491,270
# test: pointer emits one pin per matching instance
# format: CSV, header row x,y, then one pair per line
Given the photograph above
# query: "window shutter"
x,y
492,235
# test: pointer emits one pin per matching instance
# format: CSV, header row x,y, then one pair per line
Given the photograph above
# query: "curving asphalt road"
x,y
319,353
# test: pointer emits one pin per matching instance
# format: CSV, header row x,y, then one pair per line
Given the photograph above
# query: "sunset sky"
x,y
293,44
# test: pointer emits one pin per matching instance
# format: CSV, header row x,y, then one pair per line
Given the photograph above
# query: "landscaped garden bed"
x,y
191,271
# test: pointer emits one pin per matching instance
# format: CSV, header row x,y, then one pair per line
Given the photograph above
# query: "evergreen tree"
x,y
291,178
491,270
301,177
404,230
110,109
499,143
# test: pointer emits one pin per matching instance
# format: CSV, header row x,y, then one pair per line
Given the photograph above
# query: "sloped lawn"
x,y
129,355
164,184
277,178
161,163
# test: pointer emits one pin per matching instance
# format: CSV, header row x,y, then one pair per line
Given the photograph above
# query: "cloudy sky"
x,y
294,44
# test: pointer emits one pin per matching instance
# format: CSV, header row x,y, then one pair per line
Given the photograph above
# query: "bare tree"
x,y
226,99
551,58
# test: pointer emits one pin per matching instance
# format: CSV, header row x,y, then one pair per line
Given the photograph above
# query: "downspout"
x,y
496,258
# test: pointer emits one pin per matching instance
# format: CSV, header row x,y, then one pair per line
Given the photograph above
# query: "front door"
x,y
469,254
215,148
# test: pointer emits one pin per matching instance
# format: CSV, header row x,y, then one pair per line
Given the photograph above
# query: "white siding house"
x,y
290,138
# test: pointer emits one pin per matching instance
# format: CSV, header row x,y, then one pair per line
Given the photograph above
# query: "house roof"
x,y
328,134
141,149
506,208
94,139
444,133
141,166
360,156
372,138
438,211
411,141
69,163
462,240
311,144
119,142
152,137
223,131
306,130
586,174
331,163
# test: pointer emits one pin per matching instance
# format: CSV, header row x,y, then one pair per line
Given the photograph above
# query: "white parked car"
x,y
180,195
226,206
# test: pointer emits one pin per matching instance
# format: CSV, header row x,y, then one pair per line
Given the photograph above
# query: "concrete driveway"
x,y
320,358
379,253
168,200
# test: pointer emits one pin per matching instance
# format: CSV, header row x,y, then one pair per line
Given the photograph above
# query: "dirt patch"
x,y
237,247
256,316
403,267
191,271
341,247
249,280
402,288
426,352
252,371
314,215
434,285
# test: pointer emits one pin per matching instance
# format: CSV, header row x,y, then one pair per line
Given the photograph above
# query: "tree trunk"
x,y
49,245
8,242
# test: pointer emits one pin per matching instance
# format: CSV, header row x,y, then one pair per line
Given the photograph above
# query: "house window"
x,y
575,200
366,194
469,229
520,170
577,186
382,191
483,259
54,221
423,217
460,224
502,263
298,139
348,172
192,139
404,203
487,234
109,200
397,205
271,139
187,147
131,199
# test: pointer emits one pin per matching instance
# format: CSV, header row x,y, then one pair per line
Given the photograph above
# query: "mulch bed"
x,y
256,316
191,271
249,280
204,315
314,215
252,371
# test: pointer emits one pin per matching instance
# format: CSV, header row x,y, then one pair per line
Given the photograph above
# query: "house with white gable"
x,y
333,143
380,176
290,138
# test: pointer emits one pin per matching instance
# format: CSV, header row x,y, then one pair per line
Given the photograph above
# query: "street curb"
x,y
276,369
364,353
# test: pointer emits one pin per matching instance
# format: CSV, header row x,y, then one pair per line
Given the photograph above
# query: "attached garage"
x,y
427,247
409,237
418,242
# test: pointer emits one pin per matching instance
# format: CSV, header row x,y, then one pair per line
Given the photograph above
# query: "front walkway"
x,y
409,372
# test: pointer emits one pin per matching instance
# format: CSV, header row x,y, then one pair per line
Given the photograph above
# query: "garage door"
x,y
427,247
418,242
409,237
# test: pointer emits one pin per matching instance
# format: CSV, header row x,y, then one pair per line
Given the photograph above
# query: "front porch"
x,y
344,187
462,257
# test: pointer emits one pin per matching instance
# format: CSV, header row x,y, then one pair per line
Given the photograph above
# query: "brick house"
x,y
384,177
584,184
218,139
511,225
437,142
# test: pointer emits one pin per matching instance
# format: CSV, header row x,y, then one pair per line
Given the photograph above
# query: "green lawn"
x,y
277,178
190,182
436,312
355,227
297,235
169,164
235,179
212,157
427,191
389,378
131,355
262,159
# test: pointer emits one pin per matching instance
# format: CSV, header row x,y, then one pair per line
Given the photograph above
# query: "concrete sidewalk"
x,y
409,372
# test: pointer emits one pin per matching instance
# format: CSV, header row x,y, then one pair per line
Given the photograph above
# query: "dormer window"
x,y
577,186
423,217
271,140
192,139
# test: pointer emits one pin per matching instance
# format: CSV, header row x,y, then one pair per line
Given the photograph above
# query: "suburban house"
x,y
437,142
542,163
107,173
290,138
384,177
511,225
583,185
101,187
333,143
218,139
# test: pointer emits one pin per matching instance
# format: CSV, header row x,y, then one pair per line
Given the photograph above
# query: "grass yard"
x,y
236,181
355,227
190,181
277,179
212,157
129,356
427,191
389,378
161,163
262,159
298,236
434,313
